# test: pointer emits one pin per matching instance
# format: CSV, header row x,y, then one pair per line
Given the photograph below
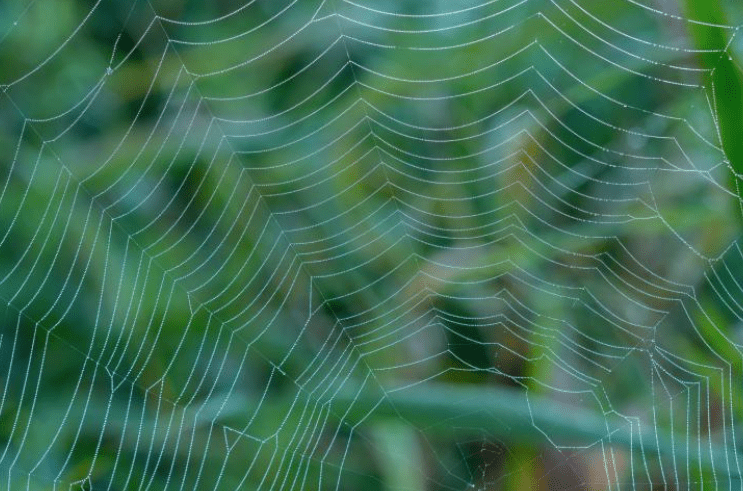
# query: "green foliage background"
x,y
372,251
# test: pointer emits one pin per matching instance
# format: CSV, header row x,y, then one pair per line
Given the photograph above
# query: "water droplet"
x,y
109,70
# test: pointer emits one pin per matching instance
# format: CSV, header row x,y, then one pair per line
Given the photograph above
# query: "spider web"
x,y
335,244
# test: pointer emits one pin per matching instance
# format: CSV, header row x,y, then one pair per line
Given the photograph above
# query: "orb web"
x,y
335,244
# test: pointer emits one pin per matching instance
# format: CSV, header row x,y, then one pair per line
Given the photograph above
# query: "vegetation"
x,y
330,244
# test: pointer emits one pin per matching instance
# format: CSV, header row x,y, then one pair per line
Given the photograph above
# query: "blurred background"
x,y
371,244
